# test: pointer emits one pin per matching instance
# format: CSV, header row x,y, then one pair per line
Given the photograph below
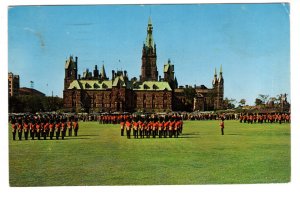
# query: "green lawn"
x,y
100,156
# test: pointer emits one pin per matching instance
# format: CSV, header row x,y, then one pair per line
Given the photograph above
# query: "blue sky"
x,y
251,41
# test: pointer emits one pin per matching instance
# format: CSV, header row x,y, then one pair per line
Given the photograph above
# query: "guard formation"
x,y
152,126
265,118
43,126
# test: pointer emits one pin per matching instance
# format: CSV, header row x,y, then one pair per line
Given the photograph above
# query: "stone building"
x,y
13,84
95,92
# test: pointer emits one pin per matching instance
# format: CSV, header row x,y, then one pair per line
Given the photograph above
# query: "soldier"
x,y
222,126
26,129
63,129
32,129
38,129
20,128
154,128
135,128
69,124
160,127
139,127
46,129
76,126
14,126
166,127
128,128
51,128
122,123
287,118
57,129
148,128
171,128
177,127
142,128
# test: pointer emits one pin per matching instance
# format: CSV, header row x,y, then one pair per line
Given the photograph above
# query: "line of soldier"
x,y
142,127
265,118
112,118
43,127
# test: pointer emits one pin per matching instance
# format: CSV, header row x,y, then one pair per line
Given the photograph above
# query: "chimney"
x,y
113,75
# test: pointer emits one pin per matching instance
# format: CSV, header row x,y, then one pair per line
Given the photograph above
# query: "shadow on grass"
x,y
76,138
83,135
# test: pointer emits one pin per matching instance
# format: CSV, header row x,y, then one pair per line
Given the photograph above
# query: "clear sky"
x,y
251,41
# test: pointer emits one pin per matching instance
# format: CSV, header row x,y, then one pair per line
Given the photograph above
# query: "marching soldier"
x,y
177,128
171,128
128,128
142,129
14,126
166,128
57,129
222,126
46,130
154,128
51,128
122,123
70,126
76,126
20,128
38,129
135,128
160,128
26,129
32,129
63,129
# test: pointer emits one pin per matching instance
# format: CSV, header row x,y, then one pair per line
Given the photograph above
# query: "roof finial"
x,y
149,20
221,69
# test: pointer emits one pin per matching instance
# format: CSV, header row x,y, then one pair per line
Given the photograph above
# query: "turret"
x,y
70,71
103,73
96,72
215,80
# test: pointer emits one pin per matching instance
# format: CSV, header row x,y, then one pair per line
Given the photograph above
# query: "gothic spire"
x,y
103,74
221,80
149,39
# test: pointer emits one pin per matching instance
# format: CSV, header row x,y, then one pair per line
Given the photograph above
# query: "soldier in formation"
x,y
265,118
168,126
43,126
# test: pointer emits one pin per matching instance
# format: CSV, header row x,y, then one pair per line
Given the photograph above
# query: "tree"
x,y
258,102
263,98
229,103
33,103
242,102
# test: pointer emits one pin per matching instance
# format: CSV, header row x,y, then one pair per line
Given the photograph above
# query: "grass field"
x,y
100,156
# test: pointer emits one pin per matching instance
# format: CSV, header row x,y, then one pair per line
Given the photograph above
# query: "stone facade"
x,y
95,92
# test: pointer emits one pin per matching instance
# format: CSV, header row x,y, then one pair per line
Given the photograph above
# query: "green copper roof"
x,y
108,84
90,85
153,85
119,80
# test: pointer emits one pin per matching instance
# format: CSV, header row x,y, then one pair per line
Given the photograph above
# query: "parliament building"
x,y
96,92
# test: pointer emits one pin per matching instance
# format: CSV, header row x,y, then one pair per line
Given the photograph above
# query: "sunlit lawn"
x,y
100,156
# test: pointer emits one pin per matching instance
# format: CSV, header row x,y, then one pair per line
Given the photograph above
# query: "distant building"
x,y
95,92
30,91
13,84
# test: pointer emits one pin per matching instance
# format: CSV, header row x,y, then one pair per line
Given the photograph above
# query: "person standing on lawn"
x,y
222,126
